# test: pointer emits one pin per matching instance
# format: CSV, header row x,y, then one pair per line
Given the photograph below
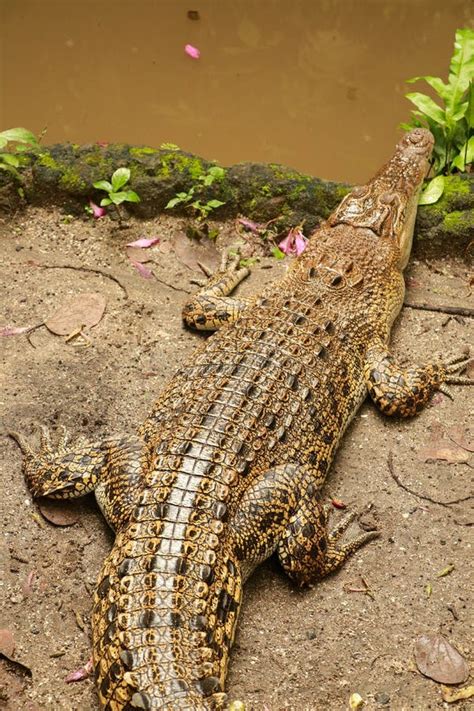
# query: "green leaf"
x,y
105,201
217,172
470,107
169,147
207,179
120,197
103,185
438,85
433,191
120,178
215,203
460,112
20,135
173,202
10,159
131,196
461,70
277,253
9,169
466,155
427,106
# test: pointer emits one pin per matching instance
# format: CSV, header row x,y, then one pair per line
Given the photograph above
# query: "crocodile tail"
x,y
164,618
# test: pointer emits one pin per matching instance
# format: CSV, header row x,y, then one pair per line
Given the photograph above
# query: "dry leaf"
x,y
7,643
439,660
59,513
450,695
82,310
459,437
443,450
190,252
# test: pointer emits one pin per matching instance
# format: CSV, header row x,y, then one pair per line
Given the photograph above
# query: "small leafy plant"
x,y
203,209
14,143
115,195
451,121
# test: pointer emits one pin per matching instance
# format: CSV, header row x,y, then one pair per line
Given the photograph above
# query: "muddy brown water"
x,y
314,84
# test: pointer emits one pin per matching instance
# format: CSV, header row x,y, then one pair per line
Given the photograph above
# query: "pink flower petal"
x,y
97,211
294,242
80,674
102,144
192,52
142,269
14,330
144,242
286,245
249,224
300,242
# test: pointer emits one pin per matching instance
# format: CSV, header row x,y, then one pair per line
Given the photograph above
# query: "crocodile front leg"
x,y
405,391
211,307
112,469
280,511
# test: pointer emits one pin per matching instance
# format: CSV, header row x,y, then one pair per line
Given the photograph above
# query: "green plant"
x,y
452,120
203,209
17,141
115,195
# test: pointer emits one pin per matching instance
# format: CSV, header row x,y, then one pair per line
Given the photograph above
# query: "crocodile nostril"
x,y
416,136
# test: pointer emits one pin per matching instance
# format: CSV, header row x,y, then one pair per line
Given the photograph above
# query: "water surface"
x,y
315,84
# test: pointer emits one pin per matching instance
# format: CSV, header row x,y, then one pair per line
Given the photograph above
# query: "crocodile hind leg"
x,y
280,511
405,391
112,469
211,307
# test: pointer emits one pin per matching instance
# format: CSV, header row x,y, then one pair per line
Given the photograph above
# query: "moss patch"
x,y
143,151
71,182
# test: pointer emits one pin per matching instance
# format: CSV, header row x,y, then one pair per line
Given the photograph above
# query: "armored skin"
x,y
227,467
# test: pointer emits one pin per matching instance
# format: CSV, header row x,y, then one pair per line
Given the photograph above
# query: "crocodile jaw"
x,y
387,204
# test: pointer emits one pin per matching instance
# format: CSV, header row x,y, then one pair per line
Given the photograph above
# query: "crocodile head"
x,y
387,204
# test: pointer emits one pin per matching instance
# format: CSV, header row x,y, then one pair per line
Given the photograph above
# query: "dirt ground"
x,y
296,650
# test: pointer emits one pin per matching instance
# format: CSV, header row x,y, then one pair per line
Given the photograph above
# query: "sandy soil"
x,y
294,650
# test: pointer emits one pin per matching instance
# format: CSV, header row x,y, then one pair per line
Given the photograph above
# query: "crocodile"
x,y
227,468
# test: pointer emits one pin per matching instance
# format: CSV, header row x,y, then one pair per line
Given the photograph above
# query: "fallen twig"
x,y
397,480
93,270
455,310
170,286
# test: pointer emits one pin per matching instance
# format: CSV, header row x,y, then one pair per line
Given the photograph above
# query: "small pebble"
x,y
382,697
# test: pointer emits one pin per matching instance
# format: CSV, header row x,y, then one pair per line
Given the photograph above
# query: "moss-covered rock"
x,y
448,225
64,174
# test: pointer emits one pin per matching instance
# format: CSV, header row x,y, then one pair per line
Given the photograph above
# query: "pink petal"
x,y
142,269
102,144
80,674
97,211
144,242
294,242
249,224
286,245
14,330
300,242
192,52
